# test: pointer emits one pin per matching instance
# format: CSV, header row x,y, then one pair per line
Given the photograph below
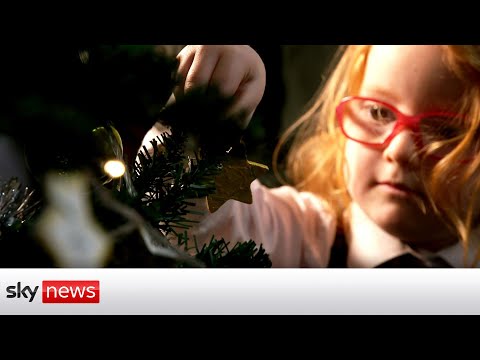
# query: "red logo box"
x,y
71,291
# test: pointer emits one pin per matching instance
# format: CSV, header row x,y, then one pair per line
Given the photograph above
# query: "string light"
x,y
114,168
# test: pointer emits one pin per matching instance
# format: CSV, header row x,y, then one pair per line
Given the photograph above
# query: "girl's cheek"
x,y
358,164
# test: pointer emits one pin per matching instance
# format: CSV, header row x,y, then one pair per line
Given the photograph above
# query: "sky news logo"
x,y
58,292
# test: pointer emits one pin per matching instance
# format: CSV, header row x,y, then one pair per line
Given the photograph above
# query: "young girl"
x,y
385,160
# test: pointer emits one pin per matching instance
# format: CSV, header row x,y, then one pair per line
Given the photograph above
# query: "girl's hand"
x,y
233,71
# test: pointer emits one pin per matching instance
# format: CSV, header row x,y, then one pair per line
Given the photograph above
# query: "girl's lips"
x,y
399,188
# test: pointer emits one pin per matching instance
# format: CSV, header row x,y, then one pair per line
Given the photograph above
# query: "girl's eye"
x,y
449,132
442,128
380,113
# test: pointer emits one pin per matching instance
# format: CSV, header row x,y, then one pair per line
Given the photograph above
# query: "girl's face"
x,y
384,182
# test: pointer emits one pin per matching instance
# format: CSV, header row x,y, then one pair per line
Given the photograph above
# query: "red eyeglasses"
x,y
375,123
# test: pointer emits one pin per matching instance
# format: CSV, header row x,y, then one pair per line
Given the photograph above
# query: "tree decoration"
x,y
17,206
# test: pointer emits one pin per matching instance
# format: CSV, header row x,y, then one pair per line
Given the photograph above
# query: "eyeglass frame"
x,y
402,121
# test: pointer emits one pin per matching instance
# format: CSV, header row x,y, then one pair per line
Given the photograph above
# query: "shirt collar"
x,y
454,254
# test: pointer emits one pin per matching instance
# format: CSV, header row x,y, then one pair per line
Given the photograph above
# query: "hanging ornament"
x,y
234,179
110,166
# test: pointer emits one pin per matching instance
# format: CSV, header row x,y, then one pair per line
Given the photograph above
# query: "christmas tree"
x,y
80,114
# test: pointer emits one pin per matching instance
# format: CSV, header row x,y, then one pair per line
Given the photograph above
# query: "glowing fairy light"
x,y
114,168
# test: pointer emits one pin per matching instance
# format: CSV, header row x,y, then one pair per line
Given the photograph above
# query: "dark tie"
x,y
411,261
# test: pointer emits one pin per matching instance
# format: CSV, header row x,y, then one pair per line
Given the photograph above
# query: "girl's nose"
x,y
402,148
